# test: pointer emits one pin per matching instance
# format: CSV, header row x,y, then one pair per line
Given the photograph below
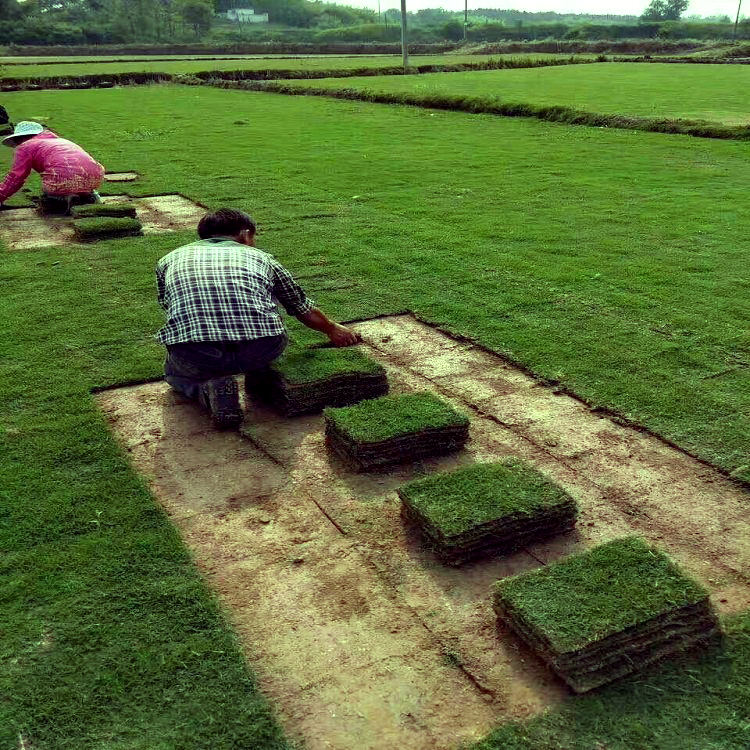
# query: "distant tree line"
x,y
94,22
124,21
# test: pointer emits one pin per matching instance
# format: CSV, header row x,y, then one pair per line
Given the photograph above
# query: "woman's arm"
x,y
21,169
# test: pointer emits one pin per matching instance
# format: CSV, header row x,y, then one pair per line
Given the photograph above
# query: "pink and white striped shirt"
x,y
65,167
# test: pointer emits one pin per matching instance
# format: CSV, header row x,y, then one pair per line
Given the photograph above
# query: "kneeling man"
x,y
220,295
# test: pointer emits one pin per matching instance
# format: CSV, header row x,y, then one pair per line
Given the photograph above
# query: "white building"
x,y
245,15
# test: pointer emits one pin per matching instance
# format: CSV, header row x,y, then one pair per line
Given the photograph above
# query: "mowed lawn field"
x,y
716,93
609,261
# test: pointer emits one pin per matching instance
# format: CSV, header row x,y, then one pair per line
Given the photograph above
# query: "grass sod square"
x,y
106,227
484,508
393,429
608,612
309,380
96,210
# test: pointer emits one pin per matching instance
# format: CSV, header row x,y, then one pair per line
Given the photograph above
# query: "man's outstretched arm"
x,y
297,303
337,334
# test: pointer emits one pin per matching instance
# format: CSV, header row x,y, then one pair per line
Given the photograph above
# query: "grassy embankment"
x,y
182,66
606,260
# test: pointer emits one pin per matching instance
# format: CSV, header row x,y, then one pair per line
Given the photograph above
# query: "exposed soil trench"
x,y
359,637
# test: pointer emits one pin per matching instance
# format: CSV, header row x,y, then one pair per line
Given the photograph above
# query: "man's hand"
x,y
337,334
342,336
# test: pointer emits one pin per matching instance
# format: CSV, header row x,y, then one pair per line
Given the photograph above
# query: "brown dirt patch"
x,y
25,229
357,633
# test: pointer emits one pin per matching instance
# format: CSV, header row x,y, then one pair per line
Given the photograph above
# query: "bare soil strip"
x,y
25,229
358,635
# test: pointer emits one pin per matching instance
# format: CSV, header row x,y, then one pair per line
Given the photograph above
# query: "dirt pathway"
x,y
25,229
359,636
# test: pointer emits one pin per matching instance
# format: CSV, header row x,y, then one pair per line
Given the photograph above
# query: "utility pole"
x,y
404,38
466,16
737,20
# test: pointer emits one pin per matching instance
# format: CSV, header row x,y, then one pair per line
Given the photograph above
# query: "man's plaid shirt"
x,y
221,290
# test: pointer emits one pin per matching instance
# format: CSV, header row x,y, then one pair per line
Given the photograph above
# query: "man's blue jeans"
x,y
188,366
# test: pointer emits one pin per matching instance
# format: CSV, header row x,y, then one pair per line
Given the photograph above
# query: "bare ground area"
x,y
358,635
25,229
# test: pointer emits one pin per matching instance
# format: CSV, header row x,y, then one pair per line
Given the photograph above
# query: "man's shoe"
x,y
221,397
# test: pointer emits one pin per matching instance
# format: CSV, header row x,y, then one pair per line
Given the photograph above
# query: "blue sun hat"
x,y
26,127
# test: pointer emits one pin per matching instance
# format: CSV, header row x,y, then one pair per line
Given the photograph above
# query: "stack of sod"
x,y
606,613
309,380
95,210
486,508
106,227
392,429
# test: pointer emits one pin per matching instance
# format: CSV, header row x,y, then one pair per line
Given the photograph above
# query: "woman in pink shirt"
x,y
69,174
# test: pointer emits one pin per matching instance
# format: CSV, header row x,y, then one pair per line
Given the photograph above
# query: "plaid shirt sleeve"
x,y
288,292
160,289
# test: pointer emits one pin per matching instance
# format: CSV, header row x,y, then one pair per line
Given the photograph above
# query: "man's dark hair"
x,y
226,222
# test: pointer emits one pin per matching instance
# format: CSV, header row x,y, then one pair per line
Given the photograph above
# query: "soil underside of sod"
x,y
353,628
25,229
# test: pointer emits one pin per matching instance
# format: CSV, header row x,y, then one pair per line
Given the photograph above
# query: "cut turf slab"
x,y
264,509
492,508
121,176
106,228
606,613
309,380
381,432
96,210
25,229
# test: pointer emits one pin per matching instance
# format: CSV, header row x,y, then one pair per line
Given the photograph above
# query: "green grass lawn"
x,y
716,92
611,261
181,65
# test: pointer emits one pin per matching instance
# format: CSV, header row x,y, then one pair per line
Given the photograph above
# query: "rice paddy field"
x,y
611,263
47,68
717,92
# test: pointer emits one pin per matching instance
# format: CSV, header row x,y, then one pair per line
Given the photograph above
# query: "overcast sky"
x,y
619,7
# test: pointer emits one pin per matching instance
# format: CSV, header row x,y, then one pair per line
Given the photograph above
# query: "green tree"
x,y
453,30
9,9
197,13
665,10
